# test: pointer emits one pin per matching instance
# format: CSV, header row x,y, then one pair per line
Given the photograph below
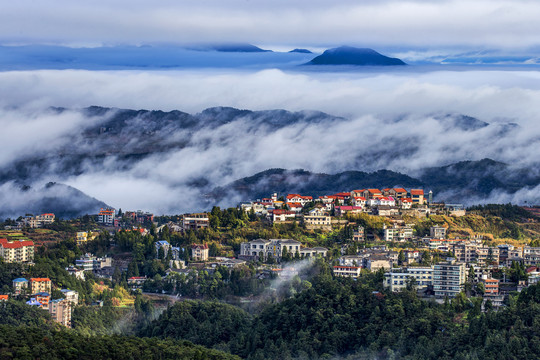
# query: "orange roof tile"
x,y
15,244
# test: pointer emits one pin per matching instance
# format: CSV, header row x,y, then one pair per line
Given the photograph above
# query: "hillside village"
x,y
403,235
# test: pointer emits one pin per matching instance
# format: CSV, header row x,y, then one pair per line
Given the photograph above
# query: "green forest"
x,y
358,320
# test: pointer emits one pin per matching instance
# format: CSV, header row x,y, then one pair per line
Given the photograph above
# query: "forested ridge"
x,y
357,319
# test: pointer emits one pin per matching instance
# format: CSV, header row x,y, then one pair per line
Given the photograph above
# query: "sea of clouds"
x,y
391,120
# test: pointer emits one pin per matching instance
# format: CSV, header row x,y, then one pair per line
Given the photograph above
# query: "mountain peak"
x,y
348,55
302,51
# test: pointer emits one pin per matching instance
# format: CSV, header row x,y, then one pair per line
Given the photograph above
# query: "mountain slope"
x,y
62,200
452,183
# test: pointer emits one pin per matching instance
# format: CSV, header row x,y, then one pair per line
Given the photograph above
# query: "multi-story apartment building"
x,y
473,252
39,220
84,236
376,262
509,251
531,255
262,249
313,252
398,233
19,251
106,216
19,285
71,295
60,310
491,286
89,262
38,285
347,271
195,221
448,278
417,196
199,252
163,244
358,234
397,279
43,298
318,219
437,232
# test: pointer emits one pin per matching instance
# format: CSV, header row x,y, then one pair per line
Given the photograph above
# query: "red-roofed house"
x,y
344,195
387,200
280,215
17,251
4,297
359,201
296,207
357,193
406,203
417,196
372,194
398,193
342,210
295,198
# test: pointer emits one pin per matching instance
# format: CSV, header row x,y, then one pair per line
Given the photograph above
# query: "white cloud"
x,y
370,139
500,23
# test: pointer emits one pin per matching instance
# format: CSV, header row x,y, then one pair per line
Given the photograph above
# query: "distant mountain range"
x,y
456,182
170,57
203,158
347,55
237,48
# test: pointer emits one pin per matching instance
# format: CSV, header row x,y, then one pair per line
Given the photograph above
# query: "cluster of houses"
x,y
33,222
108,217
318,213
446,278
39,290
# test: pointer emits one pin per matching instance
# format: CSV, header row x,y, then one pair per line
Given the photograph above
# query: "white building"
x,y
448,278
106,216
398,233
437,232
39,220
71,295
347,271
397,279
263,249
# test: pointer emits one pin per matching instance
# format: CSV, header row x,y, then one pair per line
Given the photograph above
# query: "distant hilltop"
x,y
347,55
237,48
301,51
